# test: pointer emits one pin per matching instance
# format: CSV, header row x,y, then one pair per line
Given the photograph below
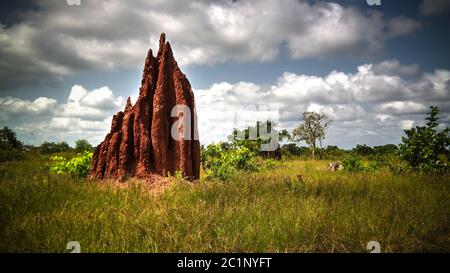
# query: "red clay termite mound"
x,y
151,137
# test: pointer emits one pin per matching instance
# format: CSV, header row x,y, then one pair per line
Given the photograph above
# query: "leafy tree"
x,y
311,130
8,139
294,150
82,145
252,137
10,147
284,135
363,150
333,152
52,147
385,149
424,147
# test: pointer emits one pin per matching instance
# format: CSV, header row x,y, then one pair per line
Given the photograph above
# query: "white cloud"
x,y
407,124
59,40
95,104
13,107
86,114
402,107
394,68
371,106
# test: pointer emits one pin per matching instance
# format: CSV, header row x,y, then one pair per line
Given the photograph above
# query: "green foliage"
x,y
390,162
292,149
77,166
53,148
222,164
271,164
8,138
82,145
389,149
334,152
363,150
352,163
425,148
11,149
253,137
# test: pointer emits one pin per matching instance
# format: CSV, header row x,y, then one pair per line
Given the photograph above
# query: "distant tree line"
x,y
424,148
334,152
11,149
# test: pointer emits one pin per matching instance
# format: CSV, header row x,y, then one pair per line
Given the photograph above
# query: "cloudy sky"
x,y
375,70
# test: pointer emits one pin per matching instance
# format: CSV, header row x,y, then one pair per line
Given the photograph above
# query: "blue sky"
x,y
374,69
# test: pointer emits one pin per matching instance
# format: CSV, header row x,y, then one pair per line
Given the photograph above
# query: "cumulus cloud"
x,y
14,107
85,114
57,40
371,106
91,105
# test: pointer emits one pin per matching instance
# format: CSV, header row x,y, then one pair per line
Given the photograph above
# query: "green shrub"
x,y
425,148
223,163
352,163
77,166
11,154
270,164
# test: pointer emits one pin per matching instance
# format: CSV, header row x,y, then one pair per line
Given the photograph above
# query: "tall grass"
x,y
298,206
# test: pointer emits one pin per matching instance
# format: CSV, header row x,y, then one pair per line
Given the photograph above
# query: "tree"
x,y
284,135
10,147
333,152
8,139
311,129
385,149
293,149
82,145
363,150
51,147
425,148
252,137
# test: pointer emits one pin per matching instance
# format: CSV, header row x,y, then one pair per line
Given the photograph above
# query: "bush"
x,y
271,164
425,148
222,164
392,163
77,166
352,163
10,154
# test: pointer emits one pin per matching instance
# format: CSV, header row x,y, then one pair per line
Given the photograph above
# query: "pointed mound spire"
x,y
128,106
140,143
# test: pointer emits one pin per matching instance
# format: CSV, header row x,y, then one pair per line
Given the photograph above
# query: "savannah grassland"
x,y
296,206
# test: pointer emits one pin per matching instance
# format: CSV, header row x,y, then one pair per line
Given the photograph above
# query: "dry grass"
x,y
298,206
